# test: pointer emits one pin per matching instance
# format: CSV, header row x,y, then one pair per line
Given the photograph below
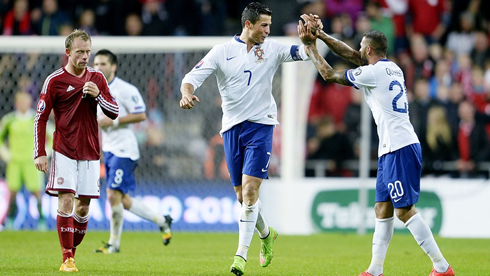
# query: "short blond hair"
x,y
77,33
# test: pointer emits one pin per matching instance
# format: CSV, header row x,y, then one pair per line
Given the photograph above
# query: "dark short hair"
x,y
253,11
112,57
378,41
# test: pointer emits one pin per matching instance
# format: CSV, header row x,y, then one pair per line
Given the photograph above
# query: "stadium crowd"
x,y
441,45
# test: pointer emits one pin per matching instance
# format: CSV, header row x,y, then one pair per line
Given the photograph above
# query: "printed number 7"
x,y
397,97
249,77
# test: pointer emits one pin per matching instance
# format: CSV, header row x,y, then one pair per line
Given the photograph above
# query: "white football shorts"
x,y
80,177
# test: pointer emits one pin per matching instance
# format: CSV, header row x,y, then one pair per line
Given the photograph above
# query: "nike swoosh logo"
x,y
230,58
396,200
246,220
264,170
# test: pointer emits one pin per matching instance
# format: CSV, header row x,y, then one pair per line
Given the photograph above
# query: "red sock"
x,y
64,225
80,226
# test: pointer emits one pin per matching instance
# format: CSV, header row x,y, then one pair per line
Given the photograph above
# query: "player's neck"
x,y
244,36
74,71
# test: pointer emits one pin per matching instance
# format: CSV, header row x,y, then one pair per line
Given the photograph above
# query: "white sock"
x,y
141,210
116,225
261,225
383,232
423,235
246,225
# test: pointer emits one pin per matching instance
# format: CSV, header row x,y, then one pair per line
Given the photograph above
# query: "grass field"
x,y
142,253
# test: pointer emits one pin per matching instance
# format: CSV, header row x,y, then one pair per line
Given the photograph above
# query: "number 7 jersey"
x,y
383,85
245,78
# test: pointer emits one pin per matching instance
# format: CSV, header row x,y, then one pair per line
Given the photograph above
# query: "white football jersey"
x,y
245,79
383,85
121,140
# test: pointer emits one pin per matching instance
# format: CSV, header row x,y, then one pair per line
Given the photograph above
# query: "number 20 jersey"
x,y
383,85
245,78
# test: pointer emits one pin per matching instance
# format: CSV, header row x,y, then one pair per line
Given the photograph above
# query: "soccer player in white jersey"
x,y
400,156
121,154
244,69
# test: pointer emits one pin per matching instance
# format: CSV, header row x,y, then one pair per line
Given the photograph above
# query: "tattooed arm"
x,y
326,71
340,48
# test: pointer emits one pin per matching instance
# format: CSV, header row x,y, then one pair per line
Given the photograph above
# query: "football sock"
x,y
64,225
246,226
141,210
117,221
383,232
80,229
261,225
423,235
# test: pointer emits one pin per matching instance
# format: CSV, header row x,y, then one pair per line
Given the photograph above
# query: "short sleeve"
x,y
361,77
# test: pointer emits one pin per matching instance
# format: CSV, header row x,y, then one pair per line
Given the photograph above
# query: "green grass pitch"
x,y
142,253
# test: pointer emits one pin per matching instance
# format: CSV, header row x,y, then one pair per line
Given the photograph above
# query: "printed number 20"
x,y
397,97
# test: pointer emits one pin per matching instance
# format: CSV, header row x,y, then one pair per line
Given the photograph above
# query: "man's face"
x,y
101,63
261,29
363,51
79,53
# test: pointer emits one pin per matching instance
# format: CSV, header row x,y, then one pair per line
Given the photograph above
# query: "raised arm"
x,y
337,46
325,70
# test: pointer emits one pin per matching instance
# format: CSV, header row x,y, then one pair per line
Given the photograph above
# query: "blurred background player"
x,y
73,93
16,134
121,154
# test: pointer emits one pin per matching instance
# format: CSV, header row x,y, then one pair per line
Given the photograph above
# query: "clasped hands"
x,y
309,30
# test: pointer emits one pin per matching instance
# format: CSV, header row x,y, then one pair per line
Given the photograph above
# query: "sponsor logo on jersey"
x,y
199,64
41,105
70,88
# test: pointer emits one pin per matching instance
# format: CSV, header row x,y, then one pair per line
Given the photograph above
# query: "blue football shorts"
x,y
399,175
119,173
248,148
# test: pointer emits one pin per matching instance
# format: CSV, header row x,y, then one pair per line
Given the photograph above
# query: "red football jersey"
x,y
77,132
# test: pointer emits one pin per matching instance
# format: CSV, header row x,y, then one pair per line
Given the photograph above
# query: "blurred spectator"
x,y
329,99
215,163
352,123
134,26
211,16
419,107
398,10
473,143
49,19
382,23
462,72
456,96
481,52
156,18
87,22
461,40
18,19
362,26
306,7
350,7
330,146
426,18
439,143
442,77
421,65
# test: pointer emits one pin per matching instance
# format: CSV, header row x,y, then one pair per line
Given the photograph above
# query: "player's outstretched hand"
x,y
41,163
313,21
187,101
305,33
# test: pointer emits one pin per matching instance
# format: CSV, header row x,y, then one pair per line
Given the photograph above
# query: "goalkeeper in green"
x,y
16,143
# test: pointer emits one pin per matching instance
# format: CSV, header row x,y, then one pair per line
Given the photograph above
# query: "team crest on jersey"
x,y
60,180
199,64
259,53
41,105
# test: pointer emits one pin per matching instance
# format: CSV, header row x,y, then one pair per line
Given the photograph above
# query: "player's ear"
x,y
67,52
248,24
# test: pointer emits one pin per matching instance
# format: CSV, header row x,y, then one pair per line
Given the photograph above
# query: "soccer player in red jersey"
x,y
73,93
